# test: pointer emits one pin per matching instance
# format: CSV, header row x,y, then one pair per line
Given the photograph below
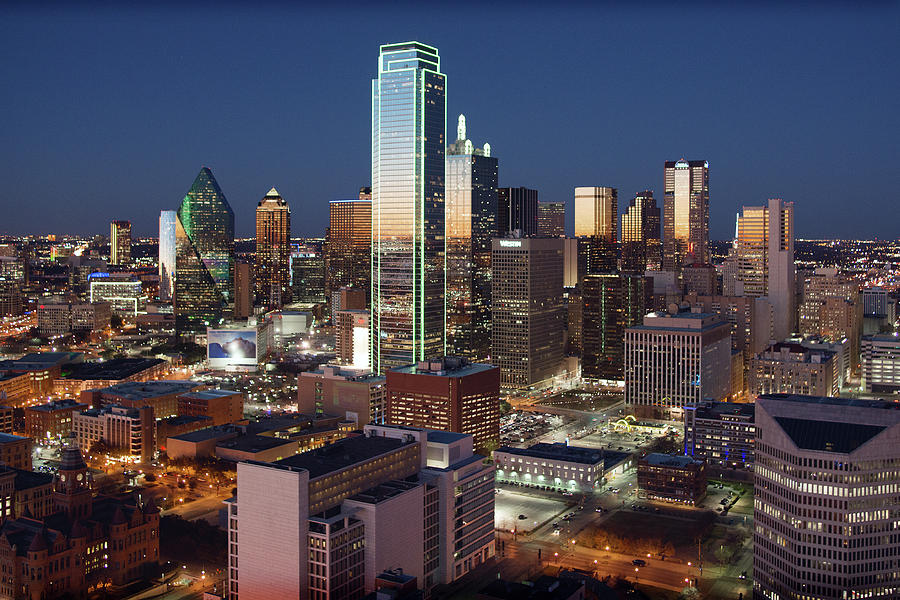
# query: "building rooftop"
x,y
142,390
447,366
6,438
41,360
208,394
828,436
210,433
889,338
576,454
66,404
184,420
117,368
384,491
254,443
445,437
833,400
716,410
342,454
342,372
668,460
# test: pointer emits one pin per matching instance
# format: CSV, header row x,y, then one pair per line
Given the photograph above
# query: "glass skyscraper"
x,y
408,139
273,250
166,260
471,214
204,255
686,214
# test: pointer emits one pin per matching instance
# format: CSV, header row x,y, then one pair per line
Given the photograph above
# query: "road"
x,y
206,508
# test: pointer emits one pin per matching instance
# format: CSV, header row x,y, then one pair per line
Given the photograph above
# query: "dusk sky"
x,y
108,113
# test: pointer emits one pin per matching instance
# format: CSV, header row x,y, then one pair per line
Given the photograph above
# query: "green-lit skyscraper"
x,y
204,255
408,140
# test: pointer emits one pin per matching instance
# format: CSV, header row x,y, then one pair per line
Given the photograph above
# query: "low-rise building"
x,y
41,370
161,395
15,451
198,444
123,293
221,406
7,421
63,318
15,388
25,493
131,431
881,364
261,448
672,478
790,368
52,420
721,433
79,377
174,426
558,466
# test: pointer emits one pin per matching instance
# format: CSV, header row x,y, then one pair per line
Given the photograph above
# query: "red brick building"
x,y
448,394
222,406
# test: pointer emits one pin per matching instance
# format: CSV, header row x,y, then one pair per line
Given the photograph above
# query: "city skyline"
x,y
751,128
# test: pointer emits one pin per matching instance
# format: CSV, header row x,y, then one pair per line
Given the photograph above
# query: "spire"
x,y
39,541
273,193
461,128
71,459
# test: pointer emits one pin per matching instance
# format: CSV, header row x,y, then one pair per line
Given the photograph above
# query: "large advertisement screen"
x,y
231,348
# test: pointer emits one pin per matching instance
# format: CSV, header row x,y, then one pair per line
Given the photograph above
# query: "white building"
x,y
826,498
559,467
677,358
130,430
881,364
124,295
322,524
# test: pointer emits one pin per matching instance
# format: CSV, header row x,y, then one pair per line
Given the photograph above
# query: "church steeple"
x,y
72,483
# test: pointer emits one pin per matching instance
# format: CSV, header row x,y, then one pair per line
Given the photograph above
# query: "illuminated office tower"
x,y
348,243
120,243
166,261
273,250
685,214
641,243
825,498
610,303
471,212
831,308
528,314
408,270
204,255
596,223
517,210
551,219
308,276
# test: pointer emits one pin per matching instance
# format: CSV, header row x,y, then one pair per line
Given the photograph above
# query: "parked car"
x,y
639,562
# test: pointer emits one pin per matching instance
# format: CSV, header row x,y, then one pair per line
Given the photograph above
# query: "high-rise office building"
x,y
120,243
610,303
527,310
308,276
204,255
825,498
596,212
685,214
763,257
471,212
351,337
831,308
881,364
517,210
641,242
789,368
551,219
677,358
166,260
243,289
448,394
348,244
273,250
408,258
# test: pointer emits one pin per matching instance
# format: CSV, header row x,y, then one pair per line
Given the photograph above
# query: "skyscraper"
x,y
471,213
273,250
408,270
528,313
641,242
596,223
204,255
517,209
243,290
166,261
610,303
685,214
120,243
551,219
348,244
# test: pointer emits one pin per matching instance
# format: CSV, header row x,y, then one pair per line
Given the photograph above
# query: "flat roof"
x,y
254,443
384,491
142,390
202,435
882,337
668,460
342,454
209,394
117,368
445,437
833,400
66,403
6,438
445,370
576,454
715,410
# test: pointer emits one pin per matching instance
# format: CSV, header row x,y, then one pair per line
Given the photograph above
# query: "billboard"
x,y
231,349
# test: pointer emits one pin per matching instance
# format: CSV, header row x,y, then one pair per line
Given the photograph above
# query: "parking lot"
x,y
537,510
520,427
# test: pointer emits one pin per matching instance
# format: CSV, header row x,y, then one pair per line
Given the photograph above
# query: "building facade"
x,y
120,243
273,250
881,364
672,478
551,219
353,394
720,433
685,214
167,258
558,467
408,253
789,368
825,494
351,338
130,431
124,294
611,302
641,241
471,215
517,211
677,358
527,311
447,394
204,256
348,244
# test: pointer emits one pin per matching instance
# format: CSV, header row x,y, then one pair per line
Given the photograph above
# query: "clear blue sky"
x,y
108,112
